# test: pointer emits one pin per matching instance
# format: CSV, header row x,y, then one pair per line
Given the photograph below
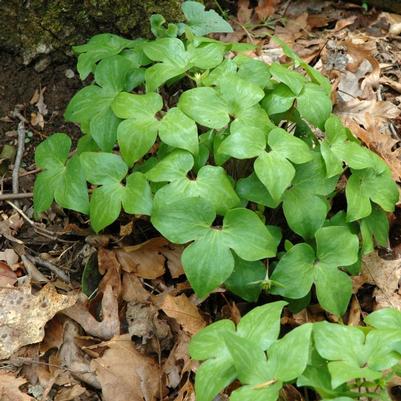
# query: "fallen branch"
x,y
18,158
54,269
5,197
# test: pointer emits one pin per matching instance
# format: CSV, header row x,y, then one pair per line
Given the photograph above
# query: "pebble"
x,y
69,73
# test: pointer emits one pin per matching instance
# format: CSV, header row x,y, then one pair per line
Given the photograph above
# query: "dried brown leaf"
x,y
126,374
23,315
147,260
109,267
110,324
133,290
10,387
385,275
183,311
74,358
7,276
70,393
266,8
178,361
145,324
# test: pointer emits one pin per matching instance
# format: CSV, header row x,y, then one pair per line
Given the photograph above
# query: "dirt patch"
x,y
17,86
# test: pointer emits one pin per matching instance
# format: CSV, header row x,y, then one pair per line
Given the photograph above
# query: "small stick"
x,y
5,197
18,158
56,270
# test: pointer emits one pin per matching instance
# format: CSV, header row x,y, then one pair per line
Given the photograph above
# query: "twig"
x,y
56,270
5,197
33,271
18,158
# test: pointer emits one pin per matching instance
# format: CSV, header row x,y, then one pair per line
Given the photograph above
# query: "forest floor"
x,y
87,350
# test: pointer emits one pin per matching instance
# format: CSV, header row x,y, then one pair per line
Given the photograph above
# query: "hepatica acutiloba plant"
x,y
240,160
224,153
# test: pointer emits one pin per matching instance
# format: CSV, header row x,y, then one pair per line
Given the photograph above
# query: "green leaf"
x,y
251,189
136,138
103,129
275,172
249,360
207,262
341,373
305,212
288,357
138,107
338,342
203,22
294,272
156,26
112,73
137,198
366,185
314,105
334,165
158,74
53,152
209,342
242,223
174,166
387,318
227,67
205,106
91,107
289,146
255,71
211,184
184,220
292,79
253,393
178,130
206,56
43,190
245,280
333,288
103,168
247,137
262,324
99,47
71,192
213,376
171,50
105,205
279,100
173,57
60,180
239,94
374,230
337,246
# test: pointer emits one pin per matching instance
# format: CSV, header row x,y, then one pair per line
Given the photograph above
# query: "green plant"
x,y
223,152
338,362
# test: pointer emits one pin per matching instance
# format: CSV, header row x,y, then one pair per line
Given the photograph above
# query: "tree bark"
x,y
36,28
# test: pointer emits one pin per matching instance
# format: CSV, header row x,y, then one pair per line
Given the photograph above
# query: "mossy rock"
x,y
35,28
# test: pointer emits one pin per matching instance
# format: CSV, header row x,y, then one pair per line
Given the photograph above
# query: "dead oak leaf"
x,y
23,315
10,387
183,311
147,260
385,275
266,8
105,329
125,374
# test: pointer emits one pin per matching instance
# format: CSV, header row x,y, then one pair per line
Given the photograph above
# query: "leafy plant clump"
x,y
242,160
339,362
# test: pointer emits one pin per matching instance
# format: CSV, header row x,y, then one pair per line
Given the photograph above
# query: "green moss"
x,y
46,26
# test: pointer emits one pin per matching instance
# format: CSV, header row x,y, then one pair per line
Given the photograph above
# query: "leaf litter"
x,y
132,332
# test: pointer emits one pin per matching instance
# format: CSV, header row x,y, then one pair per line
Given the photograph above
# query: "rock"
x,y
42,64
33,28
